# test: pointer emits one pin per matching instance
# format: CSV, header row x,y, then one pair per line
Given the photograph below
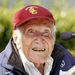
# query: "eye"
x,y
46,33
30,31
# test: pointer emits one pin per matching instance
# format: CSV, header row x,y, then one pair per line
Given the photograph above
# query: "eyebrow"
x,y
49,25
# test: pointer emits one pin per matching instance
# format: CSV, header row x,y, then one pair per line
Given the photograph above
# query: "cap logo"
x,y
32,11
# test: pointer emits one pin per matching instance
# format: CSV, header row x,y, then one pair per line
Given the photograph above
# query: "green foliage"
x,y
5,27
65,21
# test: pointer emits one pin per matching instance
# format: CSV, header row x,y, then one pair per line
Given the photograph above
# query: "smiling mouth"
x,y
39,50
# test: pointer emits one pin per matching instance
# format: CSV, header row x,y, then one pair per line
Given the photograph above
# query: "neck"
x,y
40,67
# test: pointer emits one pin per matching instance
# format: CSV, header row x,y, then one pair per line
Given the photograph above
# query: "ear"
x,y
54,36
15,37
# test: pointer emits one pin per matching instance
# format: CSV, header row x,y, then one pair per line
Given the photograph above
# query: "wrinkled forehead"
x,y
37,22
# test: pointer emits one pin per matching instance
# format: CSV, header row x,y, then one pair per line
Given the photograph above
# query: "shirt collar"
x,y
22,56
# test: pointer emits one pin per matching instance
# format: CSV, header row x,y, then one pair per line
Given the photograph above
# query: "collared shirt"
x,y
30,67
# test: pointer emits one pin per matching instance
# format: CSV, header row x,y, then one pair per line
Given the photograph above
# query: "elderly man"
x,y
32,49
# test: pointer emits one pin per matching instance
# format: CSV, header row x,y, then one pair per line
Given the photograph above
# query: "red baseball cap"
x,y
30,12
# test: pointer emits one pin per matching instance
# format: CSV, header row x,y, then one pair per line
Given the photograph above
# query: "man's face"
x,y
37,41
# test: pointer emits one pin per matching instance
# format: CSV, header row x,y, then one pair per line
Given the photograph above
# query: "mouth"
x,y
39,49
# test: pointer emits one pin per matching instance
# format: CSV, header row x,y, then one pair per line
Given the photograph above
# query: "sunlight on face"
x,y
37,44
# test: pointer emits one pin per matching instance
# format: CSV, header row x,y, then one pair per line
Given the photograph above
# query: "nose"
x,y
39,40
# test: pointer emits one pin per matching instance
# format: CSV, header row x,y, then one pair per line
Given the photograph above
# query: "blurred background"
x,y
63,11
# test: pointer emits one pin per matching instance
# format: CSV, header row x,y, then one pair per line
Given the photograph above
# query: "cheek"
x,y
50,46
26,45
26,41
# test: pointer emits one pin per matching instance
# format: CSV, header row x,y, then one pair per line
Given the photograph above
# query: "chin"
x,y
38,60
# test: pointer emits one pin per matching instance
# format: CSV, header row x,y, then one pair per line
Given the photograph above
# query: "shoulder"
x,y
66,61
66,54
63,60
2,57
5,54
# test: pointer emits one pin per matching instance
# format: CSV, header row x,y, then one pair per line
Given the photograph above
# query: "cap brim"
x,y
30,18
